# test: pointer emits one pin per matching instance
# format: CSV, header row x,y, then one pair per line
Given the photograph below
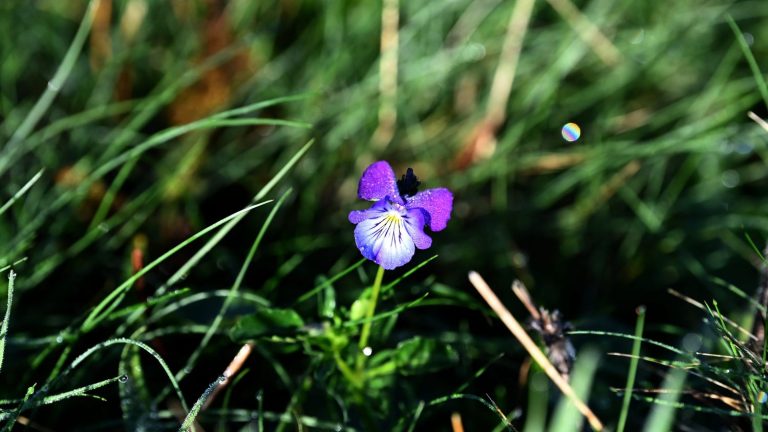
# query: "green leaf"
x,y
420,355
266,322
325,338
357,311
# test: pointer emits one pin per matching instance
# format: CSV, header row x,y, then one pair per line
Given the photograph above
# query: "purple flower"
x,y
389,232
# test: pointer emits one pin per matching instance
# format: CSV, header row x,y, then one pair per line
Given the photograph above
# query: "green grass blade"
x,y
40,396
327,282
176,277
21,191
632,369
566,417
538,394
62,125
662,415
464,396
82,357
261,105
171,133
53,88
631,337
7,318
15,414
133,391
106,306
753,66
411,271
172,307
214,327
80,391
190,419
10,266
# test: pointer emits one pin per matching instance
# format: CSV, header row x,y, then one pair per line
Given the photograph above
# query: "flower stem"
x,y
366,331
346,371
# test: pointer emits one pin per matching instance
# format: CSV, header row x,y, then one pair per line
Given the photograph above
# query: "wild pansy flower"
x,y
389,232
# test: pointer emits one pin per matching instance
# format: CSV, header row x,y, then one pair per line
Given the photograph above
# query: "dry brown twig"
x,y
456,424
551,328
390,37
233,367
757,119
538,356
482,141
587,31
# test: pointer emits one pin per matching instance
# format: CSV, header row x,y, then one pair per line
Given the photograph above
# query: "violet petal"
x,y
414,224
437,203
377,182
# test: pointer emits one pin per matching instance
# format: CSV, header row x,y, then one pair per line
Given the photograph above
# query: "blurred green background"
x,y
663,189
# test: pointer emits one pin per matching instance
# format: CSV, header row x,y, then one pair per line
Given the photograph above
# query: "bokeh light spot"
x,y
571,132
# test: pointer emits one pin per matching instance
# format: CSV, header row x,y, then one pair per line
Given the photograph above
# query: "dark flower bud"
x,y
408,185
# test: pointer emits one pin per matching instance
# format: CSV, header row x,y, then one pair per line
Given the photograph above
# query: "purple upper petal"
x,y
437,203
377,182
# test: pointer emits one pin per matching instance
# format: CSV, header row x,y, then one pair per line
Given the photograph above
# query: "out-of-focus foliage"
x,y
661,190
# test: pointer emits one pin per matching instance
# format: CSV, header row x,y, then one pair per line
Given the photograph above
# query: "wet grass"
x,y
177,175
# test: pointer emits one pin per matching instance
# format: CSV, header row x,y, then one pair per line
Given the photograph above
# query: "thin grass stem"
x,y
365,333
632,369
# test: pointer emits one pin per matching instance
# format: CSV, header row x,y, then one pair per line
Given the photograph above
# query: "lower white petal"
x,y
385,240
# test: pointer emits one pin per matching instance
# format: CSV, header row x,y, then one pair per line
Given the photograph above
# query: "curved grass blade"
x,y
206,123
31,401
54,85
479,373
202,296
190,419
136,343
631,337
232,291
161,137
176,277
106,306
151,301
456,396
134,395
169,134
80,391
